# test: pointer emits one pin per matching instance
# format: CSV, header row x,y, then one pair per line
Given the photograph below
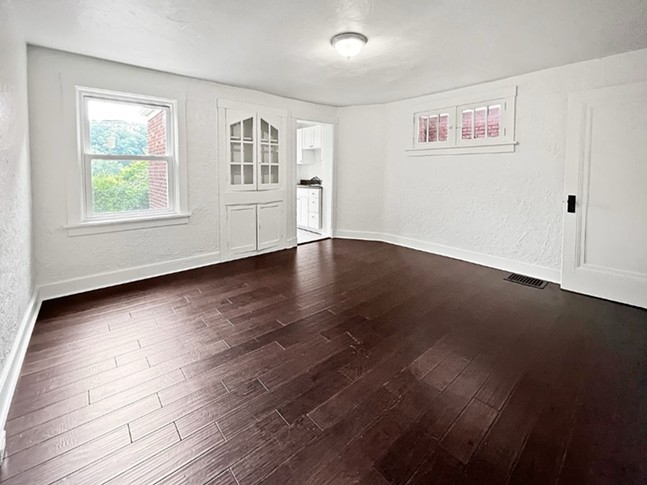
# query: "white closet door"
x,y
605,225
269,225
242,228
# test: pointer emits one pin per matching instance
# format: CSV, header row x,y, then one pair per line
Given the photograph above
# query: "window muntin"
x,y
128,160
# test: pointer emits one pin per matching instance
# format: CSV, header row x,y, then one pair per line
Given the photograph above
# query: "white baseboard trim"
x,y
11,372
497,262
119,277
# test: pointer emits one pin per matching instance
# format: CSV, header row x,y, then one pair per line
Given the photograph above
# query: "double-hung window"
x,y
128,157
467,124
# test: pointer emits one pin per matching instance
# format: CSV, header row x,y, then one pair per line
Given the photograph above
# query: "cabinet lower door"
x,y
269,225
302,211
242,228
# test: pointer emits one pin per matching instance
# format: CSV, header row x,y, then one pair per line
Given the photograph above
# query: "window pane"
x,y
248,174
422,129
248,152
275,174
128,185
248,129
466,125
433,129
479,122
494,121
265,154
234,131
275,154
235,175
274,135
121,128
265,130
265,174
443,121
235,153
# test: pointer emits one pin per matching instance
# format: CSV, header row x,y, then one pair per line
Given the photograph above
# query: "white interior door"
x,y
269,226
242,228
605,226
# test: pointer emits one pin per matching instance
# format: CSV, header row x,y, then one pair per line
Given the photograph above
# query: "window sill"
x,y
118,225
508,147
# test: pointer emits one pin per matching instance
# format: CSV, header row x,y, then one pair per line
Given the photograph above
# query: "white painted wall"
x,y
361,145
15,188
59,257
499,209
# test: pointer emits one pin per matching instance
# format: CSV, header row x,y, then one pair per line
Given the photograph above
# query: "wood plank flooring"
x,y
337,362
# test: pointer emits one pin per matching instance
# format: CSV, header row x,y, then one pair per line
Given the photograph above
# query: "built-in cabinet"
x,y
254,227
309,208
252,153
309,144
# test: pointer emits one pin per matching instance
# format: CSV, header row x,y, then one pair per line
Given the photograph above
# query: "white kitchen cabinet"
x,y
309,208
309,145
311,137
302,207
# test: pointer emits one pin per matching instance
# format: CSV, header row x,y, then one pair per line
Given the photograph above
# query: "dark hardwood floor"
x,y
338,362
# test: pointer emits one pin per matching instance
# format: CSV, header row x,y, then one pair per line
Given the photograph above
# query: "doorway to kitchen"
x,y
314,158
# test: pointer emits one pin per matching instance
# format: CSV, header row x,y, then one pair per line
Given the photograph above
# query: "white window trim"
x,y
81,221
505,143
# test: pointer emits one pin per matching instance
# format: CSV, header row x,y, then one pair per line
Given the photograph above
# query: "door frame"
x,y
291,193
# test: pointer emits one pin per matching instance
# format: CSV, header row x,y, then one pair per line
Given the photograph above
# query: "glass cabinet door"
x,y
241,153
253,151
269,162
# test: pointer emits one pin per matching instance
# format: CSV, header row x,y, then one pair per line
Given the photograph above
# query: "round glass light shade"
x,y
348,44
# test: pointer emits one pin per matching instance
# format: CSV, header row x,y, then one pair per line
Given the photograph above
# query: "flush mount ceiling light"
x,y
348,44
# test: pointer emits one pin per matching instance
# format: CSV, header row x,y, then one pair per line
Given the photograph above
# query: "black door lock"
x,y
571,204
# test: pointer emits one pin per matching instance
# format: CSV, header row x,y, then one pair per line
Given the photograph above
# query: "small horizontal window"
x,y
479,124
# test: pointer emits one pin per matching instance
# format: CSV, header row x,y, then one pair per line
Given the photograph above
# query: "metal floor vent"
x,y
527,281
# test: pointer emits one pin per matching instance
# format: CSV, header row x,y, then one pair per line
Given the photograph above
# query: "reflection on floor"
x,y
307,236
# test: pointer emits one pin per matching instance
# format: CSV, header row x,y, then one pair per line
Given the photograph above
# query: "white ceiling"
x,y
282,47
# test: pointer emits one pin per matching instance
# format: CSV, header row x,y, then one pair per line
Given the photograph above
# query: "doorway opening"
x,y
314,150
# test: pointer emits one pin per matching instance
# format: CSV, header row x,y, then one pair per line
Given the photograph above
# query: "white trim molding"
x,y
100,227
496,262
129,275
11,372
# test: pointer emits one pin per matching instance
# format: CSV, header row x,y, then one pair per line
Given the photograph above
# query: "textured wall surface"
x,y
52,77
505,205
15,191
360,181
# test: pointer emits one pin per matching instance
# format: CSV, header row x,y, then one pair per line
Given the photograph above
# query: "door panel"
x,y
313,221
269,226
605,250
302,213
242,228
